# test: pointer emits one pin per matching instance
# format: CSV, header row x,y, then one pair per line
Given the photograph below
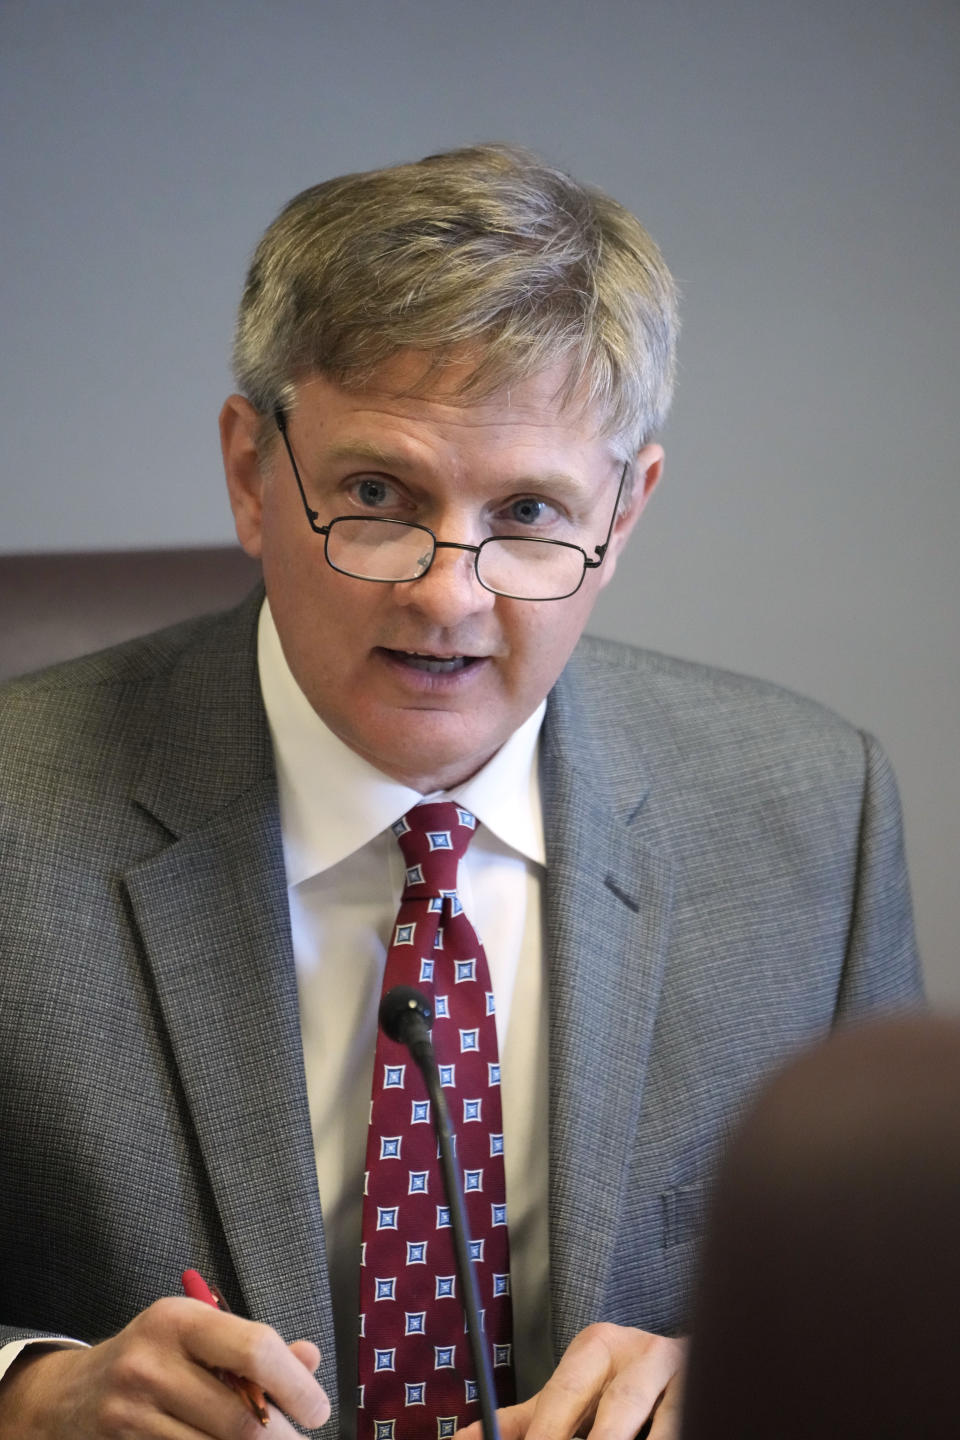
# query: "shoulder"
x,y
708,728
98,714
628,681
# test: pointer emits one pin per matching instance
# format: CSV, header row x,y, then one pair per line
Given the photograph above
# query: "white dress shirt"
x,y
345,877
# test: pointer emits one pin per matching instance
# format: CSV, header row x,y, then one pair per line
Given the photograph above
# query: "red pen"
x,y
196,1288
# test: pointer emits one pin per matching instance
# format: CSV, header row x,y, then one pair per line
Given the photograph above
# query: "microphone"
x,y
406,1016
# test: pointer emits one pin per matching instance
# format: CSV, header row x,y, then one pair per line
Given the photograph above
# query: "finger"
x,y
217,1411
306,1352
636,1391
144,1395
606,1384
157,1426
561,1410
515,1419
666,1421
566,1404
159,1392
256,1352
512,1422
628,1402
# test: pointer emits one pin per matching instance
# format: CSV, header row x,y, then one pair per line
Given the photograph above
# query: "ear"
x,y
647,469
239,427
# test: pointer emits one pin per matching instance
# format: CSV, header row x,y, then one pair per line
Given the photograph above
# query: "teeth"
x,y
434,664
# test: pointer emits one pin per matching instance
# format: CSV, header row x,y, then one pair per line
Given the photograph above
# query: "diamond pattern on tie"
x,y
416,1377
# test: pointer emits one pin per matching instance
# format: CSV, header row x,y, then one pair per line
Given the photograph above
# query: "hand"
x,y
610,1381
153,1382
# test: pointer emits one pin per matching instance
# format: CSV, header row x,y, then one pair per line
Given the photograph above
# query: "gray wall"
x,y
797,160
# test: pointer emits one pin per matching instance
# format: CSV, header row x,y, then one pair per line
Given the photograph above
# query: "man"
x,y
451,379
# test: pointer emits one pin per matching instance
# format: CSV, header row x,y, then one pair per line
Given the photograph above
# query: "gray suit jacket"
x,y
725,878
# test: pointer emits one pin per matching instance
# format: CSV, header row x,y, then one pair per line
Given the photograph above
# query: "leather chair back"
x,y
54,607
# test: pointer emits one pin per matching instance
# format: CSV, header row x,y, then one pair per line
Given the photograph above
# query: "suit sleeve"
x,y
882,969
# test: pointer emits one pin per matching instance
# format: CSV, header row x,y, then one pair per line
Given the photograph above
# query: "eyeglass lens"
x,y
379,550
525,568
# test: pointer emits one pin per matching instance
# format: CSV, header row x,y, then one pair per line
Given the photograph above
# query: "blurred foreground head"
x,y
830,1296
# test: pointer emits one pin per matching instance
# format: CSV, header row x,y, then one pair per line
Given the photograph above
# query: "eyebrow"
x,y
351,450
367,450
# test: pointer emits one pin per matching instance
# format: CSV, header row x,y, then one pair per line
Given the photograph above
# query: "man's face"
x,y
426,679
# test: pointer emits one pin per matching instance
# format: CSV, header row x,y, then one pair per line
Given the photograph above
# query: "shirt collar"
x,y
333,802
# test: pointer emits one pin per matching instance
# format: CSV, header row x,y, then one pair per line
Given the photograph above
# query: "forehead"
x,y
413,407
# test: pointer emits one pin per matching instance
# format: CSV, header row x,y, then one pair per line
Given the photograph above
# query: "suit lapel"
x,y
212,912
607,912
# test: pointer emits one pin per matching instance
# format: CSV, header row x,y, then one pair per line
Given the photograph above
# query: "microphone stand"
x,y
413,1031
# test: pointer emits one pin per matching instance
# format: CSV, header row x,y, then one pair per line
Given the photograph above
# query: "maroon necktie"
x,y
415,1371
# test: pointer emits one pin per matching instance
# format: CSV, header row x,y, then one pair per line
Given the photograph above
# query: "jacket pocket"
x,y
684,1213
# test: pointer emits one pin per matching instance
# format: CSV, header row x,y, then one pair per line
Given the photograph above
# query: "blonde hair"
x,y
486,247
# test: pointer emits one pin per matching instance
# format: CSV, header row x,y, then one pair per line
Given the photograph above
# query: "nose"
x,y
449,592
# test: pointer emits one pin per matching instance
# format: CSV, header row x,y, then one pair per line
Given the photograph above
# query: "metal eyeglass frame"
x,y
313,516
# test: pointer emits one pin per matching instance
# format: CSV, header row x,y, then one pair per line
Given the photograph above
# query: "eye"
x,y
374,493
529,511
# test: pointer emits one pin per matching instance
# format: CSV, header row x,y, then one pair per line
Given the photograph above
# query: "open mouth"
x,y
433,664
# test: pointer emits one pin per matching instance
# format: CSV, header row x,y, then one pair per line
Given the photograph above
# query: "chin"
x,y
434,767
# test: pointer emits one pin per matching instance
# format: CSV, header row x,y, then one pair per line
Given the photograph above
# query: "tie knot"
x,y
433,837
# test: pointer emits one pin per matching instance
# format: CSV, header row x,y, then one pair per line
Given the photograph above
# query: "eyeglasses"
x,y
391,552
